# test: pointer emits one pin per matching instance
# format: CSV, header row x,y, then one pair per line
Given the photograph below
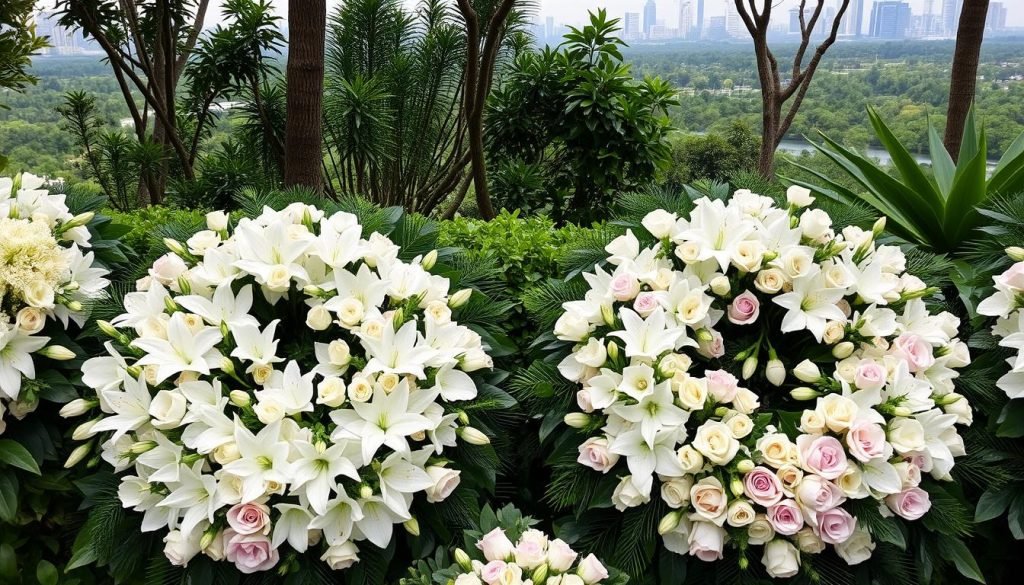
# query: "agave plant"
x,y
937,210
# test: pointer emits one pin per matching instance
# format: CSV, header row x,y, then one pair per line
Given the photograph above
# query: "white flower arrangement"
x,y
46,280
1007,305
842,324
285,381
535,558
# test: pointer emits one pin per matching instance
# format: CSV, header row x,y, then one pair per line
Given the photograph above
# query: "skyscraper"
x,y
650,16
733,23
631,26
890,20
549,28
996,19
686,19
853,20
951,16
700,19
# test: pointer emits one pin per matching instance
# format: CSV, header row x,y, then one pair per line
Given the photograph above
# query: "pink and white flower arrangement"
x,y
1007,305
534,559
283,386
694,358
46,280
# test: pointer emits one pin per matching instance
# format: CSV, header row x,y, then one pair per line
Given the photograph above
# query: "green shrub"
x,y
146,223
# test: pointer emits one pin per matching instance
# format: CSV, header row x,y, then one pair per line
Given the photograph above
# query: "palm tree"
x,y
305,77
969,34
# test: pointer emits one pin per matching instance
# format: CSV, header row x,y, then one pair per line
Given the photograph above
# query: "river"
x,y
799,146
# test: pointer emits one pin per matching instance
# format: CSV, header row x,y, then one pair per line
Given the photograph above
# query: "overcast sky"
x,y
575,11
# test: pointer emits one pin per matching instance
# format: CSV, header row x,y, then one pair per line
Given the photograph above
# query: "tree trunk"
x,y
307,23
969,34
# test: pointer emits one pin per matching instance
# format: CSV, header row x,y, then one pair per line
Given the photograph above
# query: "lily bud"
x,y
463,560
720,286
227,365
170,305
613,351
140,447
77,407
79,220
460,298
463,417
365,491
80,453
397,319
842,350
74,306
901,411
412,526
108,329
705,336
57,352
207,539
608,315
736,487
947,399
184,285
577,420
745,466
1016,253
134,371
669,522
175,246
804,393
807,372
878,228
240,398
775,372
474,436
749,367
540,574
429,260
721,411
84,430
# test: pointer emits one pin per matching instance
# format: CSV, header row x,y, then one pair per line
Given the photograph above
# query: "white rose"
x,y
38,294
838,411
627,496
660,223
591,570
760,530
748,255
815,224
799,196
808,542
180,550
30,320
261,373
857,548
269,410
217,221
693,392
167,268
715,442
690,459
835,331
594,454
709,500
740,513
776,449
740,425
745,401
676,491
202,241
592,354
318,318
906,435
571,327
350,311
445,481
960,407
359,389
796,262
560,556
338,353
781,559
341,555
812,422
770,281
439,312
227,453
167,409
468,579
688,252
279,279
331,392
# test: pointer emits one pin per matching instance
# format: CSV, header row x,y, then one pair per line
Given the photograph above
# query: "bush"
x,y
145,237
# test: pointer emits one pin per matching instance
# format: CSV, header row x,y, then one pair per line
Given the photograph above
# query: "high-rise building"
x,y
951,16
62,41
890,20
822,27
700,20
631,26
853,20
686,28
549,27
996,19
650,16
716,28
733,23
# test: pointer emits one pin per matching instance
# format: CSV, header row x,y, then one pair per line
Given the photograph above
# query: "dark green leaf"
x,y
13,454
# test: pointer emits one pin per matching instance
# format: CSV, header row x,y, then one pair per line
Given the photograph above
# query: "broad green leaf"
x,y
1016,517
970,142
968,192
909,169
1011,420
955,550
942,163
46,573
13,454
8,497
992,504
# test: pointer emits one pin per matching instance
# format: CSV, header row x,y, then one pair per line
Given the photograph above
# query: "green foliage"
x,y
569,128
712,156
936,211
18,42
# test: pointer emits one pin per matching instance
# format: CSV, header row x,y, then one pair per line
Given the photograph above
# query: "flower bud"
x,y
77,407
807,372
1016,253
669,522
227,365
736,487
217,221
608,315
745,466
473,436
901,411
412,526
540,574
749,367
743,563
460,298
463,560
704,336
775,372
613,351
804,393
170,305
57,352
398,319
108,329
140,447
878,228
429,260
79,220
365,491
184,285
84,430
577,420
720,286
81,452
240,398
842,350
175,246
74,306
207,538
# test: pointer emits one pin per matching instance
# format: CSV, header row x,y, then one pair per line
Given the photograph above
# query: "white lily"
x,y
397,352
130,405
15,359
317,467
264,459
399,480
195,493
292,526
224,307
655,411
383,420
337,522
811,305
182,351
646,338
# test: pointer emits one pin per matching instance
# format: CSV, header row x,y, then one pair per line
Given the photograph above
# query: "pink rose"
x,y
594,454
625,287
249,552
821,455
645,303
910,504
583,400
836,526
492,571
722,385
495,545
744,309
706,541
819,494
1013,278
786,518
914,350
762,486
866,441
714,348
249,518
869,375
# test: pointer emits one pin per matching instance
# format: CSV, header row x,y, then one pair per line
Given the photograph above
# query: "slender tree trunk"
x,y
964,77
303,141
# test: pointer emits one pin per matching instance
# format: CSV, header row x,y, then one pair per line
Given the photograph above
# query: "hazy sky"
x,y
575,11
